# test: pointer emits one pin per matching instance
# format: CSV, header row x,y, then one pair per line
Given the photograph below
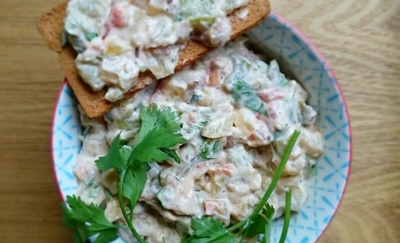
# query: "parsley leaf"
x,y
77,238
91,214
81,233
209,148
133,184
159,130
88,220
226,238
152,118
116,157
106,236
157,135
206,226
171,154
262,222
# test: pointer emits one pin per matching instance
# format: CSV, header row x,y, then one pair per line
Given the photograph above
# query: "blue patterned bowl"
x,y
298,58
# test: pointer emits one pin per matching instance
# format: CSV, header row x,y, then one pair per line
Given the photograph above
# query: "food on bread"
x,y
94,102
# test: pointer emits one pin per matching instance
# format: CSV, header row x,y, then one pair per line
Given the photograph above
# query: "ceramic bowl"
x,y
298,58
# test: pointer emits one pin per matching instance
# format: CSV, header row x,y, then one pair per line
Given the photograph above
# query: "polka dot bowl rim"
x,y
274,23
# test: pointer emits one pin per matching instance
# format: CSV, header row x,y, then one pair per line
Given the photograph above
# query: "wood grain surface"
x,y
359,38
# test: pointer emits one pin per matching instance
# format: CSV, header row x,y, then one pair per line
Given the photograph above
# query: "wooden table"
x,y
360,39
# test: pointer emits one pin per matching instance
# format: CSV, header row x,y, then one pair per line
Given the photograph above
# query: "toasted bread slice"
x,y
51,24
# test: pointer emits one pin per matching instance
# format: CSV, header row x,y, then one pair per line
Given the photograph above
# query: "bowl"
x,y
298,58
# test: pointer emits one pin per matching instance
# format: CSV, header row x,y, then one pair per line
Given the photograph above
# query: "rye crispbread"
x,y
51,24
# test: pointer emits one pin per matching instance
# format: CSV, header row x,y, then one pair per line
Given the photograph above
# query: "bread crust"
x,y
51,25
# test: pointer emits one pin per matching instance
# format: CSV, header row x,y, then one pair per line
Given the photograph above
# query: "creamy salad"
x,y
237,114
118,39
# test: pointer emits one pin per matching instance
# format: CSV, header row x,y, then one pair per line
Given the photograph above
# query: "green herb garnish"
x,y
88,220
209,148
286,220
221,234
158,134
261,224
248,97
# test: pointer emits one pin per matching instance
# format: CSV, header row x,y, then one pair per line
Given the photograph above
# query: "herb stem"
x,y
278,173
237,225
122,206
286,220
122,226
268,192
229,230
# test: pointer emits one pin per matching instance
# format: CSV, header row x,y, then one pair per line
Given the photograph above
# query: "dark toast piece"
x,y
51,25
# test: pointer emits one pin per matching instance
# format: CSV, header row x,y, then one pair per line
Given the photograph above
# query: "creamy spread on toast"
x,y
116,40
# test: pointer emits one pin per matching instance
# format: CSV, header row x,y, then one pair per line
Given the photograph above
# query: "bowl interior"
x,y
299,59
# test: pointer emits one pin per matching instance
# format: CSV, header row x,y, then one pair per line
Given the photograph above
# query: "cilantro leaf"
x,y
77,238
117,156
152,118
81,233
206,226
91,214
262,223
158,131
150,149
133,184
158,134
209,148
125,151
106,236
87,220
148,117
171,154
